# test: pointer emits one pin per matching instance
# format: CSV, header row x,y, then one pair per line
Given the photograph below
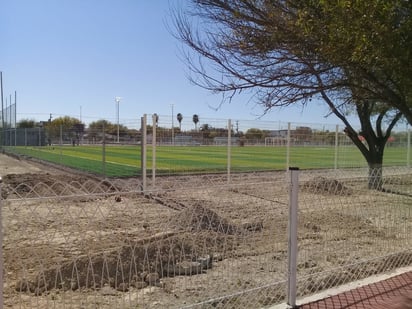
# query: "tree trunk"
x,y
375,180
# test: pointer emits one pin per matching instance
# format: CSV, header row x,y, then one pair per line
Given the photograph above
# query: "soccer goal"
x,y
275,141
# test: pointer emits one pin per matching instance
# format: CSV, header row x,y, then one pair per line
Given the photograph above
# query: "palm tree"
x,y
195,120
156,119
180,118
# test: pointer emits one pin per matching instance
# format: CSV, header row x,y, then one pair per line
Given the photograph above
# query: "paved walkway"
x,y
392,293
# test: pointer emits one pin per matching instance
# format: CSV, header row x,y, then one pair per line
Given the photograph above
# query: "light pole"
x,y
173,129
117,99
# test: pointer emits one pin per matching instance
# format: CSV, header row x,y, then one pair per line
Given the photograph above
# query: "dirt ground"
x,y
11,165
76,241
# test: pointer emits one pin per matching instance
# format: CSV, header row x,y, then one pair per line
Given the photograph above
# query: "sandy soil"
x,y
75,241
11,165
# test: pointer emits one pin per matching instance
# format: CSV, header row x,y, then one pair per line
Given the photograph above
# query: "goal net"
x,y
275,141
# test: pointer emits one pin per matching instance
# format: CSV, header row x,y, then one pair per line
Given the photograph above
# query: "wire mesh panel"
x,y
348,231
207,146
195,241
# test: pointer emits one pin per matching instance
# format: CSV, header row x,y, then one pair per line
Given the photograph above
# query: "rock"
x,y
143,275
25,286
152,278
108,291
186,268
307,264
73,285
39,291
253,226
139,284
123,287
205,262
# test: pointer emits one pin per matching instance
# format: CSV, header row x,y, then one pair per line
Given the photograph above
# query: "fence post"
x,y
104,151
229,148
154,151
336,146
61,143
1,245
293,236
408,158
143,152
288,147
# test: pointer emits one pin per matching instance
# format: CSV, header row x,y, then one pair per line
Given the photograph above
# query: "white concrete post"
x,y
229,148
288,148
103,151
144,152
293,236
336,146
154,151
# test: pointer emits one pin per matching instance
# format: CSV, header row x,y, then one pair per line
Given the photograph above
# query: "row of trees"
x,y
69,128
354,56
72,129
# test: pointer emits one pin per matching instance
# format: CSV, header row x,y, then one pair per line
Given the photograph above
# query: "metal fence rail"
x,y
207,148
197,241
348,232
80,243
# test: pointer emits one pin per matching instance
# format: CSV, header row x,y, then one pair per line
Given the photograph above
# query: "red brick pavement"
x,y
392,293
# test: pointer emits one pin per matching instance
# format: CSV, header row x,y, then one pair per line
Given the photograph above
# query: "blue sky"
x,y
73,57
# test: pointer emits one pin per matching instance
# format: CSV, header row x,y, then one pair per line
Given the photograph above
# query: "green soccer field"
x,y
125,161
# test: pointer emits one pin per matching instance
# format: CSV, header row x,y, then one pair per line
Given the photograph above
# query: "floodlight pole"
x,y
117,99
173,129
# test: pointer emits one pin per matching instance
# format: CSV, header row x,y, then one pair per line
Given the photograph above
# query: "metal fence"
x,y
197,241
208,147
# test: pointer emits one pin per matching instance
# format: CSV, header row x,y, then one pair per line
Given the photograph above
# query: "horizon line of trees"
x,y
70,128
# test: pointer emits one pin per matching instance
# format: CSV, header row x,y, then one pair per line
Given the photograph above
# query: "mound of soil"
x,y
140,264
323,185
46,185
199,218
195,236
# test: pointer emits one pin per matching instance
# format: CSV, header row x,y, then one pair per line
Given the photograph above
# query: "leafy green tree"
x,y
254,134
369,41
67,128
26,123
96,128
286,52
100,124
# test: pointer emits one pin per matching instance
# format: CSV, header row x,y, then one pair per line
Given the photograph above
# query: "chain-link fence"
x,y
159,147
76,242
197,241
347,232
